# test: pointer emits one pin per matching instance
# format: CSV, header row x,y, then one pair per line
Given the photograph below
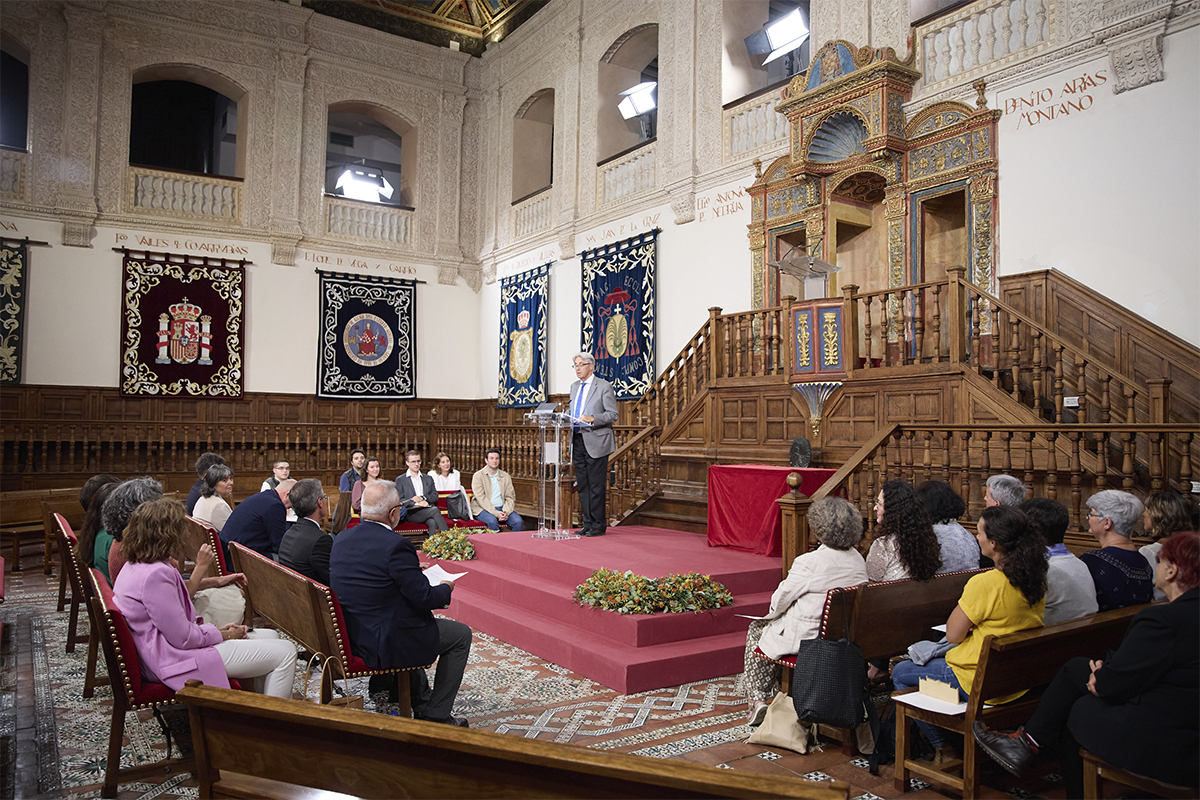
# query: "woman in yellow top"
x,y
1005,600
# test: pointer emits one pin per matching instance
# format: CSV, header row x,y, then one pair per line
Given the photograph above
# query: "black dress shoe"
x,y
594,533
1016,752
457,722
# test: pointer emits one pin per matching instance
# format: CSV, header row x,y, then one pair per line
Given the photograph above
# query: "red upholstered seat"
x,y
468,524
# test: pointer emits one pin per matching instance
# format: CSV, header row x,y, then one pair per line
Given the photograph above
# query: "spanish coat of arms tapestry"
x,y
524,312
618,312
367,347
182,326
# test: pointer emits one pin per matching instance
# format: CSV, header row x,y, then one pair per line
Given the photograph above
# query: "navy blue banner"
x,y
367,349
524,315
619,294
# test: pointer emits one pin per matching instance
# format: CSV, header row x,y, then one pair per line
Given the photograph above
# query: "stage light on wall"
x,y
786,34
363,184
638,100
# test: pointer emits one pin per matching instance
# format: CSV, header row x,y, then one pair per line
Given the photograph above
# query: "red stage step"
x,y
519,590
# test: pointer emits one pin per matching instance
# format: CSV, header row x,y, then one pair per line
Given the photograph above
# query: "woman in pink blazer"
x,y
174,645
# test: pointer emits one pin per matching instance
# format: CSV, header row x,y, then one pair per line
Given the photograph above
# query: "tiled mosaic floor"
x,y
53,742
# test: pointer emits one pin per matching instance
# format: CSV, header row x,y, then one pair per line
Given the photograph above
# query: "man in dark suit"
x,y
418,492
389,604
260,520
305,547
594,409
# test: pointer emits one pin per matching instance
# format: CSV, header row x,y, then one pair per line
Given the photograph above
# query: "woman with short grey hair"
x,y
118,508
797,604
1122,576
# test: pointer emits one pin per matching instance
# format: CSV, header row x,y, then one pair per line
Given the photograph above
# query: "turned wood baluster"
x,y
1058,382
985,459
997,352
902,339
964,472
1081,414
944,437
57,447
1038,373
975,338
1076,475
1102,459
88,459
1105,405
1006,452
1028,466
919,325
907,457
1184,482
1130,405
1129,443
927,456
777,318
1014,355
936,322
1156,461
1051,465
867,329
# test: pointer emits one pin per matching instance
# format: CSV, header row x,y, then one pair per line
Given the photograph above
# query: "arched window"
x,y
184,119
533,146
627,92
370,155
750,37
14,97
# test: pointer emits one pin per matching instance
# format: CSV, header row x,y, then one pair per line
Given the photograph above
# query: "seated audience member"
x,y
494,499
905,545
418,494
445,477
1004,600
120,505
1003,490
1136,709
1070,592
1119,571
369,473
94,541
305,547
203,463
216,498
389,605
172,647
260,520
1166,513
281,470
797,603
959,549
346,482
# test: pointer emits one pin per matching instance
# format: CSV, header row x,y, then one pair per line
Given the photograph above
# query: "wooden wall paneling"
x,y
786,417
739,417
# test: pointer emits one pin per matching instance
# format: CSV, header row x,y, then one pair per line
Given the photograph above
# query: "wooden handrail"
x,y
643,434
855,461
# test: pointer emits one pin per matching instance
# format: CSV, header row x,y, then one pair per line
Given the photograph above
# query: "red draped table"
x,y
742,512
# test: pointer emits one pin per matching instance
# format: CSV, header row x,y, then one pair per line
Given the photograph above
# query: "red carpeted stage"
x,y
519,589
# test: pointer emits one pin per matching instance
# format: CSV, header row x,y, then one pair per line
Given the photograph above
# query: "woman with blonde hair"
x,y
172,647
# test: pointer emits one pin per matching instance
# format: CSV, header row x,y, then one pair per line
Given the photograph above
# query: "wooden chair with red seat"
x,y
82,594
68,545
131,691
198,533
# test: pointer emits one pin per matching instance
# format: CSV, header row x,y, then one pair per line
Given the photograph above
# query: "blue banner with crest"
x,y
524,316
619,295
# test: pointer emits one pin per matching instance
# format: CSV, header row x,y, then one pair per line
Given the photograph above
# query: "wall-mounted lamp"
x,y
638,100
360,183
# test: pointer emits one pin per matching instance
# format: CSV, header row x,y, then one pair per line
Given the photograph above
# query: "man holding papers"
x,y
389,604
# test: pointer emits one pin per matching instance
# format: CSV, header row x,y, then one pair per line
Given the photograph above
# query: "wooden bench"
x,y
24,522
885,618
310,614
268,747
1024,661
1096,771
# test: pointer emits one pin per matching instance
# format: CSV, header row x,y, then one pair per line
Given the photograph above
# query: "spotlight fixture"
x,y
786,34
363,184
638,100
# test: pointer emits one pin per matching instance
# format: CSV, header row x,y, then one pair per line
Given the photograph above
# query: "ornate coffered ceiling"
x,y
472,23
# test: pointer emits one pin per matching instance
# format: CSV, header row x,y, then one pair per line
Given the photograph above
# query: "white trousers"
x,y
263,657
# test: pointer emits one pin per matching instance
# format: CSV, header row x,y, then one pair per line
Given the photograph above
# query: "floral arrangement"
x,y
627,593
449,546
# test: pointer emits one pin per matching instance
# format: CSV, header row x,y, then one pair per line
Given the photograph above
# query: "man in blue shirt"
x,y
260,520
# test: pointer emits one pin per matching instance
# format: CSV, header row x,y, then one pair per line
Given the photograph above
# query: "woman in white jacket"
x,y
797,604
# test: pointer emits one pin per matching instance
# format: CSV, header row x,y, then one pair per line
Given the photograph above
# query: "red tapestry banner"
x,y
181,332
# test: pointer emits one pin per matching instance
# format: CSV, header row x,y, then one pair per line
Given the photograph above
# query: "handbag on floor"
x,y
780,728
327,685
457,506
830,679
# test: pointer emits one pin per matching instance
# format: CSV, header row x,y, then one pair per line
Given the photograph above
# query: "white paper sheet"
x,y
918,700
436,575
941,628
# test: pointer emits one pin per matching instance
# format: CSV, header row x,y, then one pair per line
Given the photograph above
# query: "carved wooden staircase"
x,y
973,383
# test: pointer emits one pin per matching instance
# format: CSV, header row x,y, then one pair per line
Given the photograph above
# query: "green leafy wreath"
x,y
627,593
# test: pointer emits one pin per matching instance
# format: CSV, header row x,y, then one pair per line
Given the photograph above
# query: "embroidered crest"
x,y
368,339
185,334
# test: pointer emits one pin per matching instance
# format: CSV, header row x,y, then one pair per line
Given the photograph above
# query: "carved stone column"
x,y
1132,31
76,202
449,159
289,124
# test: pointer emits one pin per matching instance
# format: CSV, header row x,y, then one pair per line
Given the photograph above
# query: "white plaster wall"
x,y
1111,195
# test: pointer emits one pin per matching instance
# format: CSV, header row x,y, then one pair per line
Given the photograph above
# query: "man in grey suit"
x,y
594,409
419,494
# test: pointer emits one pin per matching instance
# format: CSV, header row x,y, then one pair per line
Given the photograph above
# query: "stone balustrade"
x,y
532,214
981,37
752,127
185,196
368,222
624,177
